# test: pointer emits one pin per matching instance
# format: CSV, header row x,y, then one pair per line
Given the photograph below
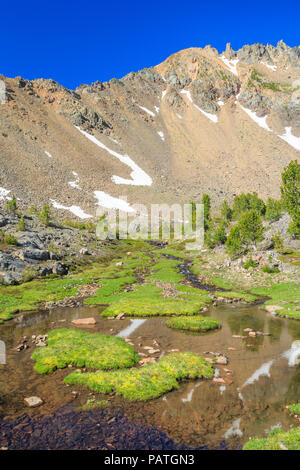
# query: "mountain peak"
x,y
198,122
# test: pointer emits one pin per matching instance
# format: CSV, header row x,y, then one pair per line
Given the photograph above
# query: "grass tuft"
x,y
278,439
147,300
148,382
286,295
81,349
195,323
295,409
237,295
92,403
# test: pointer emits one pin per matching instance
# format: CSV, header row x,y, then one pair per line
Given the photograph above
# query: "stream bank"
x,y
259,381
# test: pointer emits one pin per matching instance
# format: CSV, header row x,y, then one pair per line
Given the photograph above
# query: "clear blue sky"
x,y
81,42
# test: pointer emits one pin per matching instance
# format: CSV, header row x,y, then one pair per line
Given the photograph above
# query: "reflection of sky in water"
x,y
189,396
135,324
275,426
264,369
234,429
293,354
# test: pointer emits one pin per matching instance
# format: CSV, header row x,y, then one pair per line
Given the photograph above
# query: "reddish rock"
x,y
84,321
219,380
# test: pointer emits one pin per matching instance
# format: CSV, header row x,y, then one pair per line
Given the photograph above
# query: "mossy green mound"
x,y
194,323
81,349
286,295
295,409
165,271
147,382
237,295
276,440
148,300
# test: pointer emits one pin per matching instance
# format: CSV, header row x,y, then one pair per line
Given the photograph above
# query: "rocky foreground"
x,y
40,251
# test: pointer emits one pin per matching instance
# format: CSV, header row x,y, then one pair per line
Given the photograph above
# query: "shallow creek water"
x,y
265,375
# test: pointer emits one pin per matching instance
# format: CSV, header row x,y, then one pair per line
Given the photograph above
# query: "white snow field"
x,y
161,135
272,67
290,138
212,117
76,210
147,110
231,64
261,121
139,176
75,184
113,140
110,202
4,194
48,154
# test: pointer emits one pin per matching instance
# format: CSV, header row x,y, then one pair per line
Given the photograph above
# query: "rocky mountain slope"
x,y
199,122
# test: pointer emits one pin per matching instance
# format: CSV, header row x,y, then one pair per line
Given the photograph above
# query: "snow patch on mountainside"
x,y
110,202
261,121
147,110
139,176
4,194
161,135
48,154
75,184
290,138
76,210
113,140
272,67
231,64
212,117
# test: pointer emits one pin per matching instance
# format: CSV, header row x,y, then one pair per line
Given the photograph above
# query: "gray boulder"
x,y
12,278
35,255
60,269
3,221
45,270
